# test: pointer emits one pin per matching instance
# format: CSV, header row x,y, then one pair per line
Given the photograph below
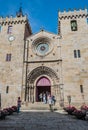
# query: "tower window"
x,y
81,88
77,54
87,20
59,28
0,28
9,29
8,57
7,89
74,25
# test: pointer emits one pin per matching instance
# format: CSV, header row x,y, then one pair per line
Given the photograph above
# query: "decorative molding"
x,y
44,61
73,14
42,70
11,20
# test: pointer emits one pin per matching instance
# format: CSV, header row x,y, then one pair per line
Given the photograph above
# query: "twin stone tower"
x,y
31,64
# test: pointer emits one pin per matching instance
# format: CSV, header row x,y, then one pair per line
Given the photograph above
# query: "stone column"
x,y
32,89
61,95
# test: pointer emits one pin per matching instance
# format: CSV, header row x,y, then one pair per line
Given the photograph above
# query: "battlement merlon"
x,y
73,14
13,20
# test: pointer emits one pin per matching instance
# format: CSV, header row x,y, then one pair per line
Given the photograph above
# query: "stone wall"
x,y
11,72
69,72
75,70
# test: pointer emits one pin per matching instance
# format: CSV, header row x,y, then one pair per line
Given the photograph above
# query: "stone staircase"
x,y
36,106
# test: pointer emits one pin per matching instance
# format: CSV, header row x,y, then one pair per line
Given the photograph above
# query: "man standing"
x,y
18,104
50,102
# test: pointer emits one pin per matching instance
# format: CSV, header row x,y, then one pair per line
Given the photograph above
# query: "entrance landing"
x,y
36,106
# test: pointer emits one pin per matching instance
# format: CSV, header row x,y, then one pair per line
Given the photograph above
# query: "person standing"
x,y
41,97
44,98
18,104
53,100
50,102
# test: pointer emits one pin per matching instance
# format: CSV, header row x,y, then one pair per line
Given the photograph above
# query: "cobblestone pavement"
x,y
42,120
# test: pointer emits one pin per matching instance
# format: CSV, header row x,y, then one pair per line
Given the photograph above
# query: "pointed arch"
x,y
42,70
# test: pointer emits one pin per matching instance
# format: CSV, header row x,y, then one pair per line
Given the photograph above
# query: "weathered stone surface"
x,y
65,72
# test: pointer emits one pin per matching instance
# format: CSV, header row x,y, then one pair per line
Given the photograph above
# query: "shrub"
x,y
2,114
15,108
79,114
84,107
70,109
9,110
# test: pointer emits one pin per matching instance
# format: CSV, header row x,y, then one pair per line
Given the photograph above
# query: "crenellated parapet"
x,y
13,20
73,14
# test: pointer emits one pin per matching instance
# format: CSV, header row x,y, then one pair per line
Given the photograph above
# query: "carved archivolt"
x,y
42,70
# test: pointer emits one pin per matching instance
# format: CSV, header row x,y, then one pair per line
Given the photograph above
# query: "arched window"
x,y
74,25
9,31
8,57
77,54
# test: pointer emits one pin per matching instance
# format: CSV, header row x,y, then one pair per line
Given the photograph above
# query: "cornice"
x,y
73,14
11,20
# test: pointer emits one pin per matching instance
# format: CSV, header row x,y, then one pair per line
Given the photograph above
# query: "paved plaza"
x,y
42,120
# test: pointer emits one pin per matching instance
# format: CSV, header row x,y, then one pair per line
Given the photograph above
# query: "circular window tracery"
x,y
42,46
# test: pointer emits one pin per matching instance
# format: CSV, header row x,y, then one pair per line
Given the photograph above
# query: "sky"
x,y
42,14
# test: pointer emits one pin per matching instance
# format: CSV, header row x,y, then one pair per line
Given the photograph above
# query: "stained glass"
x,y
42,48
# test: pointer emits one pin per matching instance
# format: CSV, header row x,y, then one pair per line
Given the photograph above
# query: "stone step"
x,y
36,106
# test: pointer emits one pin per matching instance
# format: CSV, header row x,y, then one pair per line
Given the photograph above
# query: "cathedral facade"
x,y
31,64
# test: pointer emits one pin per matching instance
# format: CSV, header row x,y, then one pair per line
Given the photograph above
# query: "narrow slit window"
x,y
59,28
75,54
0,28
79,55
7,89
81,88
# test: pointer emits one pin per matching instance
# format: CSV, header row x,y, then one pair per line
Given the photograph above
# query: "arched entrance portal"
x,y
43,86
38,81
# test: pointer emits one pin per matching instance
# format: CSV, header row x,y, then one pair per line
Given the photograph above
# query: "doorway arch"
x,y
43,85
34,76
